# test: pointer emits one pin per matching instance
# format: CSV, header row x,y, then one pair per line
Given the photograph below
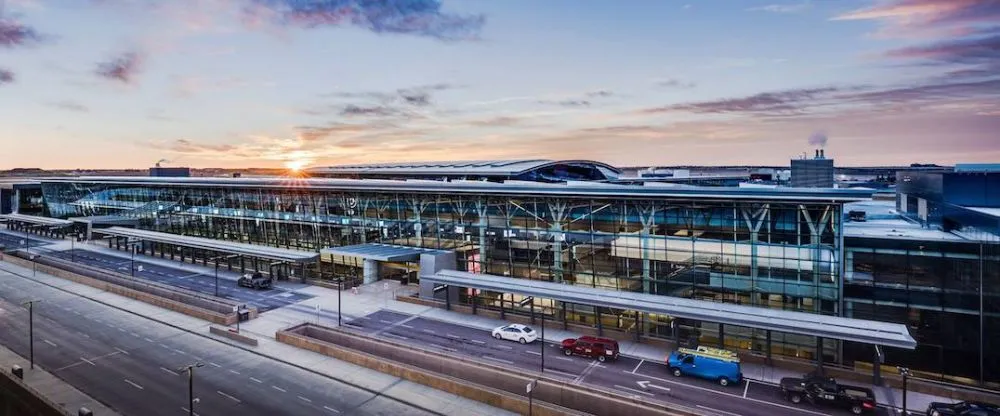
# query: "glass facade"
x,y
783,255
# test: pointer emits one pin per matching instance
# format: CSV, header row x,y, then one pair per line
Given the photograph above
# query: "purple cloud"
x,y
923,14
768,103
408,17
122,68
6,76
14,34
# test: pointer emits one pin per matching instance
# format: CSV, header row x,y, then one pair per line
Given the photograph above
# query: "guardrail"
x,y
472,375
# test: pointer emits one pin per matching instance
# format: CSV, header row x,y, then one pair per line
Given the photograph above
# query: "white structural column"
x,y
484,223
647,215
816,229
558,210
754,220
418,206
371,268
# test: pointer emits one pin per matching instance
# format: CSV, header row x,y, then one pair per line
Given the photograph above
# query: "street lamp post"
x,y
31,331
543,340
905,372
340,288
216,261
190,371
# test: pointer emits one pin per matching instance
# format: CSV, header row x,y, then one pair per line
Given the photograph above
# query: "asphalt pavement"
x,y
12,241
131,363
264,300
642,379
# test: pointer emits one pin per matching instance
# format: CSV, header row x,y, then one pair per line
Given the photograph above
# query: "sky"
x,y
297,83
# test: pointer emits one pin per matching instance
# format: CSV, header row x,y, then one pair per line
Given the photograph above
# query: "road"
x,y
13,241
642,379
130,363
264,300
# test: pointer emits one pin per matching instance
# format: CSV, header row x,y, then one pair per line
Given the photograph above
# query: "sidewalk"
x,y
52,387
268,347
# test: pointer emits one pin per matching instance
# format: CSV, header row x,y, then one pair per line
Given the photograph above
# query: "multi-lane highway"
x,y
131,363
264,300
643,379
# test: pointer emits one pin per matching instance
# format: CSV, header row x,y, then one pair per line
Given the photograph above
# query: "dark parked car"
x,y
826,391
593,347
963,409
255,281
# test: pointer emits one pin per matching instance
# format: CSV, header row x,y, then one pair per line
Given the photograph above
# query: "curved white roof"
x,y
464,167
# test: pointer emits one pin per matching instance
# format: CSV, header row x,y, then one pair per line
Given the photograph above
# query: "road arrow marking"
x,y
646,386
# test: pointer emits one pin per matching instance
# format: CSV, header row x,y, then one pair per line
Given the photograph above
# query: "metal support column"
x,y
600,325
722,336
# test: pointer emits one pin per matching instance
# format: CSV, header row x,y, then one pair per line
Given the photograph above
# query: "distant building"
x,y
173,172
536,170
812,173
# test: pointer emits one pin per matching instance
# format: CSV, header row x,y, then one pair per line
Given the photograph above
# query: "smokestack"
x,y
817,153
822,153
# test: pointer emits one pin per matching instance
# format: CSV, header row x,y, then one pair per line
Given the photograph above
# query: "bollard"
x,y
85,412
17,371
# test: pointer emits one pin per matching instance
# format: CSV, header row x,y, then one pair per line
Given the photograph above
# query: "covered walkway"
x,y
44,226
276,262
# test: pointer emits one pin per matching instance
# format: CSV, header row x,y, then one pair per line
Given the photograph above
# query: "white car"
x,y
516,332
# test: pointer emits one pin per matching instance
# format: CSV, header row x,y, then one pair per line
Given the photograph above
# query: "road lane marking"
x,y
509,362
186,411
331,409
386,322
476,341
214,365
406,326
637,366
134,334
560,372
228,396
148,340
727,394
395,336
179,351
533,352
172,372
88,361
49,342
429,331
255,380
633,390
134,384
452,336
305,399
279,389
505,347
746,389
234,371
563,358
164,345
717,410
122,351
443,347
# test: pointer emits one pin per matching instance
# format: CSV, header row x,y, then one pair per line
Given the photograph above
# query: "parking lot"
x,y
642,379
264,300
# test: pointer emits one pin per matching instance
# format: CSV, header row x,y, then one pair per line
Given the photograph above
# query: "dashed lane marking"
x,y
723,412
331,409
122,351
134,384
88,361
637,366
214,365
476,341
635,390
234,371
228,396
49,342
533,352
305,399
279,389
169,371
255,380
501,360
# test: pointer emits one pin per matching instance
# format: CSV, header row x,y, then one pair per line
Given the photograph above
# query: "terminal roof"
x,y
249,250
454,168
519,188
848,329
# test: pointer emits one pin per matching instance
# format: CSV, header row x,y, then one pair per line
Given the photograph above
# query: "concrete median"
x,y
468,377
218,311
233,335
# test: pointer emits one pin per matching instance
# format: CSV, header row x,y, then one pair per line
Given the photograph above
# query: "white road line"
x,y
452,336
305,399
148,340
88,361
49,342
255,380
120,329
134,334
133,384
395,336
122,351
443,347
634,390
637,366
406,326
564,358
646,376
214,365
179,351
76,312
186,411
476,341
169,371
164,345
331,409
228,396
498,359
505,347
386,322
279,389
717,410
746,389
234,371
533,352
429,331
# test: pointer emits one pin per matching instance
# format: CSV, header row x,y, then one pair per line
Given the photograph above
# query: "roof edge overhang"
x,y
802,323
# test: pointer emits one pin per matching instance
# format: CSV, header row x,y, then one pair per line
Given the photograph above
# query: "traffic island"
x,y
501,387
194,304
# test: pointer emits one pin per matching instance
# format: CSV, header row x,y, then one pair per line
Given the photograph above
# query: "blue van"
x,y
709,363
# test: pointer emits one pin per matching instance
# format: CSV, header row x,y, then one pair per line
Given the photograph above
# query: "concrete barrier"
x,y
19,399
235,336
467,377
135,292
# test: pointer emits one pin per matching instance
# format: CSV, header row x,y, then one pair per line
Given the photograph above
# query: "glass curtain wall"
x,y
776,255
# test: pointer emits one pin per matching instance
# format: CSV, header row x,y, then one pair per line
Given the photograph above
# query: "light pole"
x,y
905,372
543,340
190,371
340,288
31,330
216,261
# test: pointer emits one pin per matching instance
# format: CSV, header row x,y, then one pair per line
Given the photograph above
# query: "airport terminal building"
x,y
791,249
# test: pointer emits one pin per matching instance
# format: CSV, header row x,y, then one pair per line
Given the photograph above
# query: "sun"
x,y
295,165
